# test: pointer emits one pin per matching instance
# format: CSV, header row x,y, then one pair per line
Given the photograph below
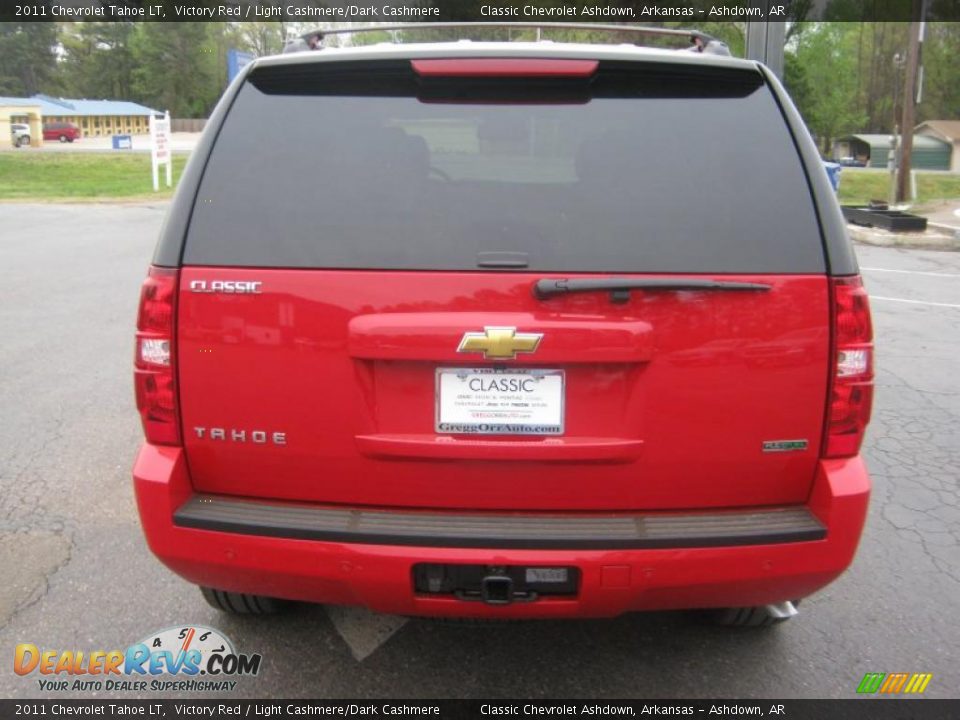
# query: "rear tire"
x,y
63,138
243,603
757,617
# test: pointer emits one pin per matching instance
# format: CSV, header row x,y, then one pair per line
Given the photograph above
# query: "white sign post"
x,y
160,148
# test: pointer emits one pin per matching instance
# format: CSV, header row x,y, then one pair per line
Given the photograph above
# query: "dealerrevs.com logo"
x,y
178,659
894,683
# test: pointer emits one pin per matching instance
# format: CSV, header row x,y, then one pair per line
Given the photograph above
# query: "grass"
x,y
859,187
47,176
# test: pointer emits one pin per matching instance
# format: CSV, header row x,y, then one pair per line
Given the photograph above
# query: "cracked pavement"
x,y
76,573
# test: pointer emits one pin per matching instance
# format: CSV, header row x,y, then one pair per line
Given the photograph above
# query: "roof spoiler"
x,y
699,41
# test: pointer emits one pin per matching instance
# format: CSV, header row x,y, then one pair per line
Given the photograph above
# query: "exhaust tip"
x,y
782,611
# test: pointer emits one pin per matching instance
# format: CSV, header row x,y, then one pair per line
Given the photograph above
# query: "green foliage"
x,y
797,83
259,38
176,67
98,61
824,70
844,79
941,81
27,60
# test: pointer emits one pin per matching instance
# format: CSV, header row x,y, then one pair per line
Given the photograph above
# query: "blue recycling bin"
x,y
833,172
122,142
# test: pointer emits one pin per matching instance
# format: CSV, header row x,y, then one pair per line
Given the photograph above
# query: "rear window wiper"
x,y
620,287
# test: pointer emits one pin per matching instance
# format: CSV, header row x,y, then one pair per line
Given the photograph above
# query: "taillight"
x,y
851,391
154,372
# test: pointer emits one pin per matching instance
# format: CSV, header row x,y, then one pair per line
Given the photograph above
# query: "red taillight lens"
x,y
156,301
851,313
154,371
851,392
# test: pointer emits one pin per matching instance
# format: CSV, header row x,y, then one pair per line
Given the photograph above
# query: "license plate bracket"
x,y
493,401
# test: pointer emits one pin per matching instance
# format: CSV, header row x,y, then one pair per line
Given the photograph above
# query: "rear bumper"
x,y
366,558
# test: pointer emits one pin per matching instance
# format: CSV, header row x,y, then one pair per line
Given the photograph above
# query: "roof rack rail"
x,y
699,41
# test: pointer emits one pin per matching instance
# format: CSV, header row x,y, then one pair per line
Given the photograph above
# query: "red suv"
x,y
62,131
505,330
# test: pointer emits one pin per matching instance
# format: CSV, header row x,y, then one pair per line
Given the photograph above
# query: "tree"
x,y
261,38
97,59
941,73
176,67
28,62
827,53
798,84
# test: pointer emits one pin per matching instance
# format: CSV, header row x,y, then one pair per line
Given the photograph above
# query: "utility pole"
x,y
909,100
893,156
765,40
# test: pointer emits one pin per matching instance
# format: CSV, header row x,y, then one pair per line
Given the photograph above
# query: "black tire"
x,y
24,140
242,603
756,617
63,138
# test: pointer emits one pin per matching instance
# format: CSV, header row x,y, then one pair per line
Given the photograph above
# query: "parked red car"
x,y
62,131
513,335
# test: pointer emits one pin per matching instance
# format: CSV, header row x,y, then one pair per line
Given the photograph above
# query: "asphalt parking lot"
x,y
76,573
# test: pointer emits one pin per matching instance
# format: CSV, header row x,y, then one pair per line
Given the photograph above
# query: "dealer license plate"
x,y
499,402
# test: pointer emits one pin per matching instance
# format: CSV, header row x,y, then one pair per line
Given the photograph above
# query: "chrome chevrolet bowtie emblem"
x,y
499,343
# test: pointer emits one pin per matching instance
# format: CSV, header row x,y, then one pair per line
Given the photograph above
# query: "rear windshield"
x,y
636,169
